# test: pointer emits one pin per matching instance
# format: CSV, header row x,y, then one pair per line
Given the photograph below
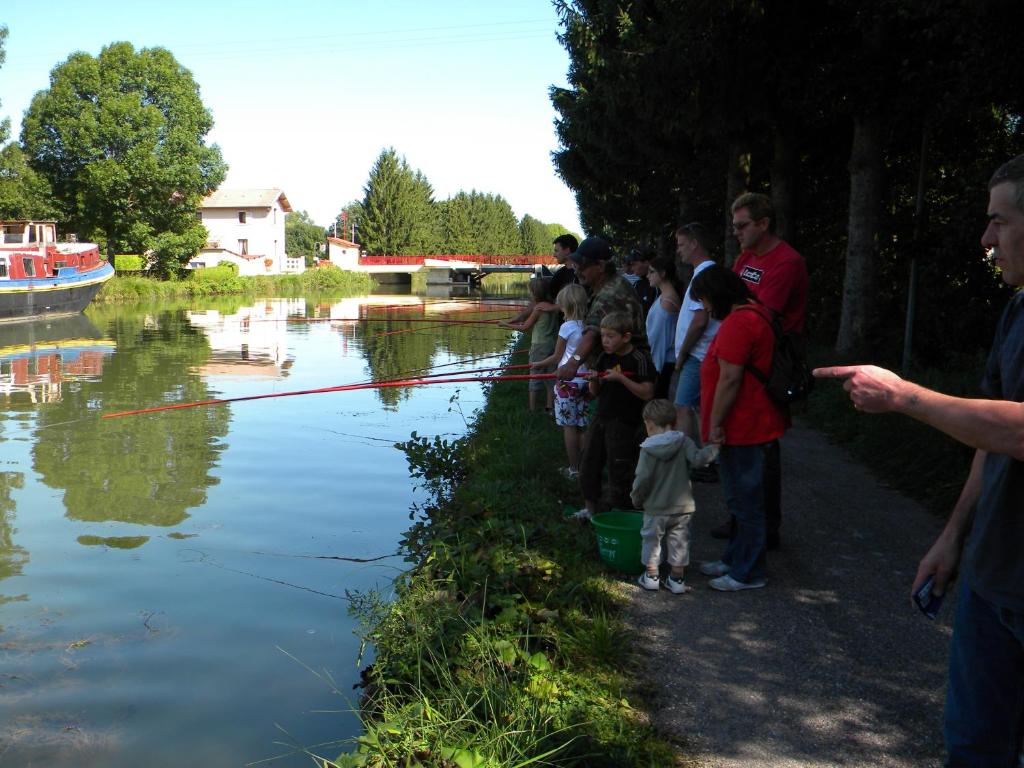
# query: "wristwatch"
x,y
577,358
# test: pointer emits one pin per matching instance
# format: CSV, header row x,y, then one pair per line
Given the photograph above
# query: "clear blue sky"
x,y
305,94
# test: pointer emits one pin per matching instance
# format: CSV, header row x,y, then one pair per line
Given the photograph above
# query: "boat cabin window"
x,y
3,267
241,217
29,265
59,265
13,233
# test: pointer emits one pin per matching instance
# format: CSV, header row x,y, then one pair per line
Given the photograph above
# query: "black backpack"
x,y
790,378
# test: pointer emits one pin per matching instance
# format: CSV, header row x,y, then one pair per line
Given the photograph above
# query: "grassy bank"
x,y
220,281
504,645
911,457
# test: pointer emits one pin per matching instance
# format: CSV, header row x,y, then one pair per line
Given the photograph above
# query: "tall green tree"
x,y
427,231
399,214
24,194
457,226
121,138
494,225
533,236
675,106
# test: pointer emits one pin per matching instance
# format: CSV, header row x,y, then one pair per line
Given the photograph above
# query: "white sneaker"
x,y
677,586
569,473
584,514
729,584
714,568
647,582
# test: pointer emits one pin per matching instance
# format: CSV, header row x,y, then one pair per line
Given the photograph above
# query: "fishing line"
x,y
205,560
324,557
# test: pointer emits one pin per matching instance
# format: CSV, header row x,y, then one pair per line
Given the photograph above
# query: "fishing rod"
x,y
339,388
411,371
441,320
345,388
434,327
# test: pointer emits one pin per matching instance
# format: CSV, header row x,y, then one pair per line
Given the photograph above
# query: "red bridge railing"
x,y
512,260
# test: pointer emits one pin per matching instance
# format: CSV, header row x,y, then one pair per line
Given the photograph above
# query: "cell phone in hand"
x,y
926,600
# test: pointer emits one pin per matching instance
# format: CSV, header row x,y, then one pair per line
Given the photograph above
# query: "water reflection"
x,y
166,571
393,333
37,358
141,471
251,342
12,557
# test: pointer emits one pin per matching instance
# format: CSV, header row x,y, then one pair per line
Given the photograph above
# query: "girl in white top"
x,y
570,396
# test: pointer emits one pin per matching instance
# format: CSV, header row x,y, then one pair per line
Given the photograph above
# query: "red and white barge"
x,y
39,276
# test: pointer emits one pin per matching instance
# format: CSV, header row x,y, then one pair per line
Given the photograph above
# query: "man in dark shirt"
x,y
563,247
638,264
985,696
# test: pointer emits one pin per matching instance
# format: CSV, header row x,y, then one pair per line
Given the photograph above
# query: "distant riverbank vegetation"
x,y
398,216
224,280
505,643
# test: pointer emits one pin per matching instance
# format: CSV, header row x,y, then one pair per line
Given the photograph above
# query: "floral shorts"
x,y
570,404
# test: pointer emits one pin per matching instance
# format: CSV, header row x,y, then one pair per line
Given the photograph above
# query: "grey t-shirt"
x,y
994,554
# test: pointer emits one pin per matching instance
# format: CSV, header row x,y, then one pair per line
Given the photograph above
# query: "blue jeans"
x,y
688,388
742,470
985,697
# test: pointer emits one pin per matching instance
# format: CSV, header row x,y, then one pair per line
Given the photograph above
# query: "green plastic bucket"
x,y
618,539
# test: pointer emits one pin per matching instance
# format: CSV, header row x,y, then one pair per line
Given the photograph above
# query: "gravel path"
x,y
830,665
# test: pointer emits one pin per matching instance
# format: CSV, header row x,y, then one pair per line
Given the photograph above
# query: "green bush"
x,y
223,280
127,262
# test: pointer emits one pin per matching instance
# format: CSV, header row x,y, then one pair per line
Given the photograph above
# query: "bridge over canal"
x,y
441,269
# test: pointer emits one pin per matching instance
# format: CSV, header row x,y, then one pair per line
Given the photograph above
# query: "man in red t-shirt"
x,y
775,273
776,276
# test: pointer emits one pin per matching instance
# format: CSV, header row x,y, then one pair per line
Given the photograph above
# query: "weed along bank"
x,y
504,643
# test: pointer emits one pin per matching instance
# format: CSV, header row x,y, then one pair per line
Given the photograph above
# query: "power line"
x,y
380,39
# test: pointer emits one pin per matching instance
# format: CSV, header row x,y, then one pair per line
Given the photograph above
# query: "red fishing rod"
x,y
418,371
340,388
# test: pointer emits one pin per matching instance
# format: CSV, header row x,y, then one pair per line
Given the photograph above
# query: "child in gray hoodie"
x,y
662,490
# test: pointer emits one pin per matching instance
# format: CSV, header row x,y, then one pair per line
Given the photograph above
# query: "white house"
x,y
246,227
342,253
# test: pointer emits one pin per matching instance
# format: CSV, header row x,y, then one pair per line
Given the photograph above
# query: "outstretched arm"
x,y
993,426
554,357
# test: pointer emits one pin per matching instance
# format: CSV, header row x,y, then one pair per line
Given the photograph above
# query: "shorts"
x,y
688,390
539,385
570,404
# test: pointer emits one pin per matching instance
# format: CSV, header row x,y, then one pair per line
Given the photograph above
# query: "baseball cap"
x,y
639,254
593,250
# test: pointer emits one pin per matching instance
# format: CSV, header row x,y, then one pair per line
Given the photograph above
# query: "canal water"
x,y
173,586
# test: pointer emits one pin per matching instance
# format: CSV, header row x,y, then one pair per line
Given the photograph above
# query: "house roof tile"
x,y
246,198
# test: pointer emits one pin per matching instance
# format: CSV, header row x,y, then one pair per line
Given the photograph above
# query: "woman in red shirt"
x,y
738,414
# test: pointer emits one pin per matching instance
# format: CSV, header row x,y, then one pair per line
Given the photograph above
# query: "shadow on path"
x,y
830,664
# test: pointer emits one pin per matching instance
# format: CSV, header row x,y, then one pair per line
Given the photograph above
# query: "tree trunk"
x,y
917,249
862,239
784,174
736,183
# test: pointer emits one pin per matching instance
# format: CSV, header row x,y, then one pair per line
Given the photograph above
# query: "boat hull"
x,y
44,297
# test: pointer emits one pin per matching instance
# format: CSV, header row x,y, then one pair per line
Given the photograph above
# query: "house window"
x,y
243,247
241,217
